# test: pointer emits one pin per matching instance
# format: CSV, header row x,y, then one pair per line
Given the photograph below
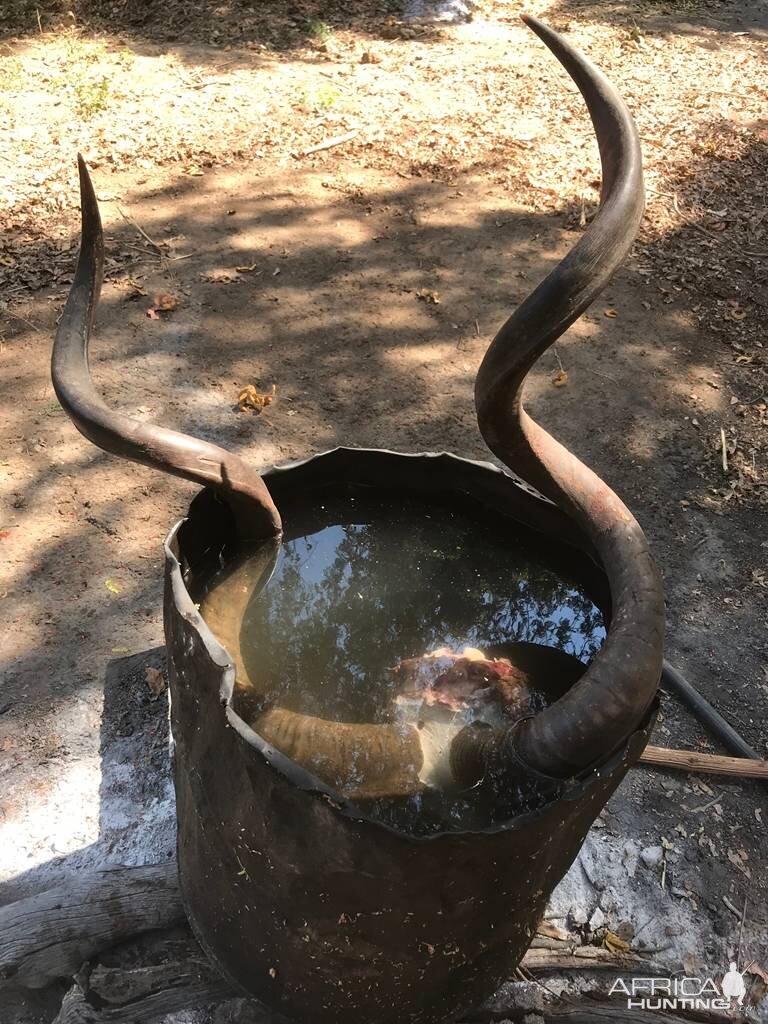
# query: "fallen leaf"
x,y
428,296
738,862
551,931
133,290
218,276
111,586
119,650
250,398
152,314
611,313
166,302
692,965
155,680
612,942
757,970
247,269
560,379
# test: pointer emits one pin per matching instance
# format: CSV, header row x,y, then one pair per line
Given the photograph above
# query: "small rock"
x,y
597,920
577,916
629,858
651,856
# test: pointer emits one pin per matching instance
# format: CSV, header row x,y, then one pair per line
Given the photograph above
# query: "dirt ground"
x,y
471,171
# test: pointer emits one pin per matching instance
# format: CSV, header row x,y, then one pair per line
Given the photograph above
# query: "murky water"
x,y
372,582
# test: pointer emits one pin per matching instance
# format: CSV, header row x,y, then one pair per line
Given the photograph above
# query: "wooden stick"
x,y
715,764
337,140
584,958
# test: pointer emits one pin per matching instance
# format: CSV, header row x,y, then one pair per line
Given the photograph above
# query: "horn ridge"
x,y
607,704
159,447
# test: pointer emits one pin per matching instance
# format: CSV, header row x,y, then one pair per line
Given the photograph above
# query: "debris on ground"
x,y
249,398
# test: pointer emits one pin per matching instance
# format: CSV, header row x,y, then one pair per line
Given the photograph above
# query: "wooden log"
x,y
53,934
715,764
50,935
597,1014
144,995
585,958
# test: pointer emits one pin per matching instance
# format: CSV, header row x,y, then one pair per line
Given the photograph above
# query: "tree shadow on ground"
x,y
279,25
330,293
321,283
665,17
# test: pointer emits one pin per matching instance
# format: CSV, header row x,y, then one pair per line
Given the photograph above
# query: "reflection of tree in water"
x,y
348,602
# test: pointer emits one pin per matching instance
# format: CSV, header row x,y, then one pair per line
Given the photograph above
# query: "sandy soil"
x,y
470,175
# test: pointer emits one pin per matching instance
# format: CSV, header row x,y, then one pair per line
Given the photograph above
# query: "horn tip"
x,y
542,30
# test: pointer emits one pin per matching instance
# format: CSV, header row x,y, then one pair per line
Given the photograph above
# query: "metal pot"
x,y
297,893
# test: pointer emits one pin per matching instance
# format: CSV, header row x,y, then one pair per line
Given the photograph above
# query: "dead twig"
x,y
129,220
23,320
337,140
741,931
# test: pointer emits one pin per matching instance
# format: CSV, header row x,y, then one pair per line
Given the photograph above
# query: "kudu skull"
x,y
258,778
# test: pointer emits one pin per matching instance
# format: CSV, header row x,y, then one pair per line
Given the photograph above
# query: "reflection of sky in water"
x,y
348,602
317,553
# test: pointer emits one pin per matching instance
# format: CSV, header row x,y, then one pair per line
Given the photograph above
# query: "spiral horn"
x,y
185,456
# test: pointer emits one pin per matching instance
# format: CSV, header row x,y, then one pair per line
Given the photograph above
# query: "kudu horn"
x,y
599,713
255,513
601,710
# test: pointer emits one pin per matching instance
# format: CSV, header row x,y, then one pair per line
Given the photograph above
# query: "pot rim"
x,y
574,788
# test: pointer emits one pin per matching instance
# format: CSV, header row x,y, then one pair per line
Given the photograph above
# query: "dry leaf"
x,y
151,313
551,931
218,276
247,269
134,290
560,379
758,971
692,965
250,398
428,296
611,313
166,302
155,680
612,942
738,862
111,586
